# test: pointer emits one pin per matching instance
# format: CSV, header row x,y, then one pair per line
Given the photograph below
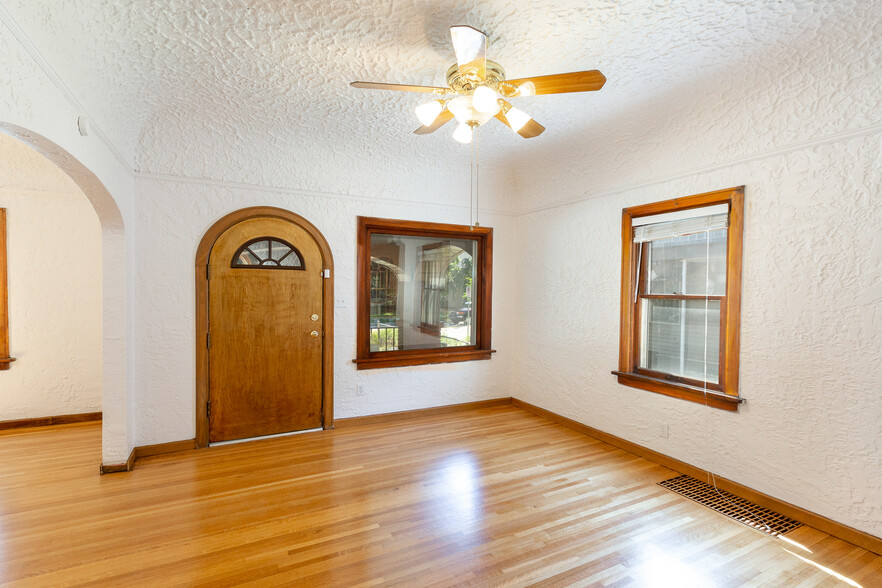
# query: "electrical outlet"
x,y
359,390
663,430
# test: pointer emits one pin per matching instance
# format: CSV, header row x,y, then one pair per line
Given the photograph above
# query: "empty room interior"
x,y
412,293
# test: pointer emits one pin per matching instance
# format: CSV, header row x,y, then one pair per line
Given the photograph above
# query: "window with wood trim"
x,y
5,360
681,297
424,292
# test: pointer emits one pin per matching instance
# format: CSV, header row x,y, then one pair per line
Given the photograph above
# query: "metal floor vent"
x,y
734,507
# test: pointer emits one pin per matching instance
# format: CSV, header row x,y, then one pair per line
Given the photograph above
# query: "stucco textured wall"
x,y
811,371
173,216
54,250
36,109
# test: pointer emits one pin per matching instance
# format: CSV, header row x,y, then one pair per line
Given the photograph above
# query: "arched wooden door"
x,y
266,329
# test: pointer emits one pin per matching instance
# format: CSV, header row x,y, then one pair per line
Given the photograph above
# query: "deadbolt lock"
x,y
314,317
313,334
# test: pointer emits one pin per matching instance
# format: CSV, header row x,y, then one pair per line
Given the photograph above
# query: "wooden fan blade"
x,y
577,81
529,130
470,46
400,87
439,122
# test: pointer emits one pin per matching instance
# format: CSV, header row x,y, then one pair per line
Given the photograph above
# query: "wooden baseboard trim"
x,y
807,517
387,417
62,419
146,451
112,468
160,448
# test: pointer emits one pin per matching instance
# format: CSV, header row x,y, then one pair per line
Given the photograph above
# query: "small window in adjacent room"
x,y
424,293
681,297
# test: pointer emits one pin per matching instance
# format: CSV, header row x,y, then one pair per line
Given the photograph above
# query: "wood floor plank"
x,y
491,497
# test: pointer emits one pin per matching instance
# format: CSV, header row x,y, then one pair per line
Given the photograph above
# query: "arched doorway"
x,y
264,333
115,441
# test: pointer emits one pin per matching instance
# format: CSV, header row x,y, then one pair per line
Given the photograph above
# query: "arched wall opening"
x,y
114,400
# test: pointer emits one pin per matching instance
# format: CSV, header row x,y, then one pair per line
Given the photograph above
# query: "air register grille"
x,y
734,507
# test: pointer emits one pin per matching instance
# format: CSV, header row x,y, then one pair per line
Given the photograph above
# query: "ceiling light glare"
x,y
517,118
428,112
527,89
485,100
463,108
463,133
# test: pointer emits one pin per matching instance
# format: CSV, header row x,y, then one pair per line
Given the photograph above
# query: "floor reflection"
x,y
790,546
661,569
456,489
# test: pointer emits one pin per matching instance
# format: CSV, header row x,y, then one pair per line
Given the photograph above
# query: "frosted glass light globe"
x,y
463,133
428,112
517,118
485,100
464,110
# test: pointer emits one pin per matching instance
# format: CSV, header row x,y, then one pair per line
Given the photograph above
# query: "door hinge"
x,y
208,409
326,273
208,340
207,272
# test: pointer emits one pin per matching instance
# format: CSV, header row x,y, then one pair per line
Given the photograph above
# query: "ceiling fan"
x,y
479,90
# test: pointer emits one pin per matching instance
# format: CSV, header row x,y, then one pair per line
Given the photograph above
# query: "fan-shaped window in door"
x,y
268,253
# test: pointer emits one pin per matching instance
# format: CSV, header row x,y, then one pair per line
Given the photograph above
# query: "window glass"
x,y
679,265
681,338
267,253
422,291
681,297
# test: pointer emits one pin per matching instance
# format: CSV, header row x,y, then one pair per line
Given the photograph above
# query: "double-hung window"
x,y
424,293
681,290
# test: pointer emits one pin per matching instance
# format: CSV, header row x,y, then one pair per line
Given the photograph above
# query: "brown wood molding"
x,y
371,363
483,315
114,468
820,522
161,448
146,451
678,390
386,417
202,253
5,360
62,419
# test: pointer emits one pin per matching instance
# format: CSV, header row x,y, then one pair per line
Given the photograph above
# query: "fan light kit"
x,y
479,90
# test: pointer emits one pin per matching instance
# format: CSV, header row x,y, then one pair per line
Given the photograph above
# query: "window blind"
x,y
678,228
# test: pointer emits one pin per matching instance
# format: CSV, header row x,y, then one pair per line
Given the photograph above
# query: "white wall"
x,y
800,125
54,251
811,329
38,109
173,215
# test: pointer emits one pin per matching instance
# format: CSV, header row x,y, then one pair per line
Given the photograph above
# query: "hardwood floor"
x,y
489,497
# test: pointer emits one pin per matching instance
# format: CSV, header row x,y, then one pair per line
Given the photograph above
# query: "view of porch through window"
x,y
422,292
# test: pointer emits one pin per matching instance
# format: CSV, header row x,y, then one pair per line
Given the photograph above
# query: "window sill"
x,y
394,360
684,391
5,361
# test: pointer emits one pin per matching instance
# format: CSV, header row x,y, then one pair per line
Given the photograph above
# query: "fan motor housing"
x,y
466,83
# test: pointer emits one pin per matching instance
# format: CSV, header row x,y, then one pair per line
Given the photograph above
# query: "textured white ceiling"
x,y
246,78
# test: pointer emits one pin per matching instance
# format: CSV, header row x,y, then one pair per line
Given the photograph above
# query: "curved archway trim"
x,y
202,254
116,434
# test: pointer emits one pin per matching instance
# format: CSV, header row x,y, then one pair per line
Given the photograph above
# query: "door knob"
x,y
313,334
314,317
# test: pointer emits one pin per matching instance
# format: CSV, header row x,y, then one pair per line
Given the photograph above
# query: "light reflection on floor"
x,y
786,544
457,491
661,569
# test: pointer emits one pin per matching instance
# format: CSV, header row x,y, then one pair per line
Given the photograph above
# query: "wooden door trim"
x,y
202,254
